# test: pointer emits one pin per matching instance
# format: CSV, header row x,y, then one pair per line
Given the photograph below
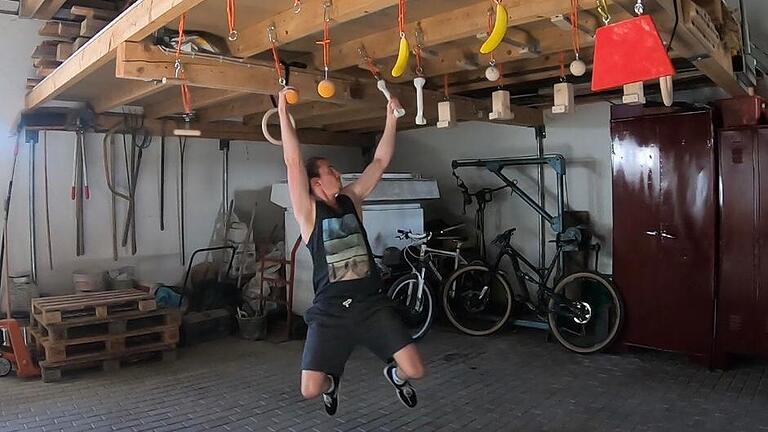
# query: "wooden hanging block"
x,y
564,98
446,114
634,94
500,107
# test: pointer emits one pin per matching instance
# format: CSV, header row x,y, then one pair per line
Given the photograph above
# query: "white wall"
x,y
253,167
583,138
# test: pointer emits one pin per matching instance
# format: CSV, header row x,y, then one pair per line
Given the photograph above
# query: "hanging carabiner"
x,y
602,9
296,6
178,69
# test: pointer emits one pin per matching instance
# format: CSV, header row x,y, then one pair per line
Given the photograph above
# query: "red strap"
x,y
575,34
231,16
401,16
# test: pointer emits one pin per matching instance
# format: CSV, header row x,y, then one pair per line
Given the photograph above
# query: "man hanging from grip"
x,y
348,308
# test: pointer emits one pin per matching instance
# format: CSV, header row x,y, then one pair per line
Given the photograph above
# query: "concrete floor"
x,y
513,381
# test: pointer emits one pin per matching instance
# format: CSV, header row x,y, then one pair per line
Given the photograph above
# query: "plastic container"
x,y
22,293
86,282
253,328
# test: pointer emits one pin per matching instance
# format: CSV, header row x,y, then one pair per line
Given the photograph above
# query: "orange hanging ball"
x,y
292,96
326,88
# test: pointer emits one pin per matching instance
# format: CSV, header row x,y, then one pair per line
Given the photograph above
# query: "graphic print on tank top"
x,y
345,250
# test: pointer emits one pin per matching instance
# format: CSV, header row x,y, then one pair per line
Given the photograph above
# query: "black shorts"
x,y
335,329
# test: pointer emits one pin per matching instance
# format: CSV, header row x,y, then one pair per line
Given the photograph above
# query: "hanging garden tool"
x,y
446,110
79,190
577,67
564,95
180,202
326,88
404,51
380,83
628,52
186,95
498,31
47,202
419,81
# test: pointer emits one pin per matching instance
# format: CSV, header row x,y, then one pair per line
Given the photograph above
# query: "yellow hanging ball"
x,y
292,96
326,88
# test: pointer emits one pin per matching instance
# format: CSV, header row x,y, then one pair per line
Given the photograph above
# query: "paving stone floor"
x,y
514,381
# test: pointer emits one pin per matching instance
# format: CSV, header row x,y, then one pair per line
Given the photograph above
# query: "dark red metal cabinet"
x,y
664,227
742,307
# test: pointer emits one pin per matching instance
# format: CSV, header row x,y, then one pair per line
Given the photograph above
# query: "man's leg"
x,y
314,383
409,364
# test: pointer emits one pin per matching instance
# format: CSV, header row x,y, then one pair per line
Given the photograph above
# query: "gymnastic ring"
x,y
265,129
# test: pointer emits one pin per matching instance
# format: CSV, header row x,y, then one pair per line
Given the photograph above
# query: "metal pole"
x,y
224,147
541,134
161,182
32,139
180,207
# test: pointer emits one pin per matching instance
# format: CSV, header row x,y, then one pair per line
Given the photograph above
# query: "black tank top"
x,y
341,255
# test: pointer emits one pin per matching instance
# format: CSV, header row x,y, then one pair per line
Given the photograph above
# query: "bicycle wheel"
x,y
599,312
477,301
418,314
5,367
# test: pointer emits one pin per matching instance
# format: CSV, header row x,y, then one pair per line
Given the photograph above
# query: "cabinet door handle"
x,y
665,235
652,233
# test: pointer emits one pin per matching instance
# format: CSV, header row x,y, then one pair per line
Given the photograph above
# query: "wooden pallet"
x,y
101,305
67,351
116,324
52,372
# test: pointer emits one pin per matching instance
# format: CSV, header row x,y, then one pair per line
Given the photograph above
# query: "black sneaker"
x,y
405,392
331,399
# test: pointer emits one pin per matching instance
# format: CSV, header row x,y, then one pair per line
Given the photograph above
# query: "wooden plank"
x,y
46,50
290,26
90,26
142,61
125,92
64,50
32,82
235,108
136,23
457,24
44,72
202,98
46,63
299,112
94,13
60,29
40,9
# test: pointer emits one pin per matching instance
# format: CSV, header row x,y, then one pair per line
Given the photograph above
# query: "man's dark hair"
x,y
313,169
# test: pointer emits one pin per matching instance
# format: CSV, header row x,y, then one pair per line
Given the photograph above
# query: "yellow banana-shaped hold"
x,y
402,58
499,30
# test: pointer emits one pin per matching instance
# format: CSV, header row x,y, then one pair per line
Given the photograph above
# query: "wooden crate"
x,y
117,323
100,305
67,351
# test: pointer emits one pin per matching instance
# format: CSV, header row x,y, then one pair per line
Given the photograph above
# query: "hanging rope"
x,y
371,65
186,95
326,41
491,20
575,33
401,18
275,55
231,20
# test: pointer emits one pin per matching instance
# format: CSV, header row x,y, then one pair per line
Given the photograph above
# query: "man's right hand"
x,y
282,102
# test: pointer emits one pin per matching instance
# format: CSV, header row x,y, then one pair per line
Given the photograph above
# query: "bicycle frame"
x,y
543,274
425,253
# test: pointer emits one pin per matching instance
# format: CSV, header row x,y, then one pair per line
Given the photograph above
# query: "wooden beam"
x,y
40,9
90,26
446,27
124,92
299,113
335,115
240,132
201,98
290,26
102,14
142,61
135,24
236,108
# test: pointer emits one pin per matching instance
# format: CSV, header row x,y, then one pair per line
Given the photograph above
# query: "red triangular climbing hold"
x,y
627,52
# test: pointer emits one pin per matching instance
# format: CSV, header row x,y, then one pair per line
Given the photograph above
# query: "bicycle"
x,y
412,291
584,310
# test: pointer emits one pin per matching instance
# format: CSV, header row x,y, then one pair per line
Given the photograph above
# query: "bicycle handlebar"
x,y
409,235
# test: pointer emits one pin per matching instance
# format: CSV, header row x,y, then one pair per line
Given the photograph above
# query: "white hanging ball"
x,y
578,68
492,73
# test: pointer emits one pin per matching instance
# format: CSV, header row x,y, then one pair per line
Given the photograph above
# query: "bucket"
x,y
121,279
253,328
88,282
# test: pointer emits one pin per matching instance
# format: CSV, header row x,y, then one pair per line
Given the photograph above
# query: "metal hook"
x,y
233,35
178,68
272,33
297,6
639,7
327,10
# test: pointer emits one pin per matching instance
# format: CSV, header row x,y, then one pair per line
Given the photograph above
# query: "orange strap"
x,y
186,95
401,17
326,41
231,19
562,66
575,33
491,19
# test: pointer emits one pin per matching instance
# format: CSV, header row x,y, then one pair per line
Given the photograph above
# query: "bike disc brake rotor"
x,y
472,302
586,314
